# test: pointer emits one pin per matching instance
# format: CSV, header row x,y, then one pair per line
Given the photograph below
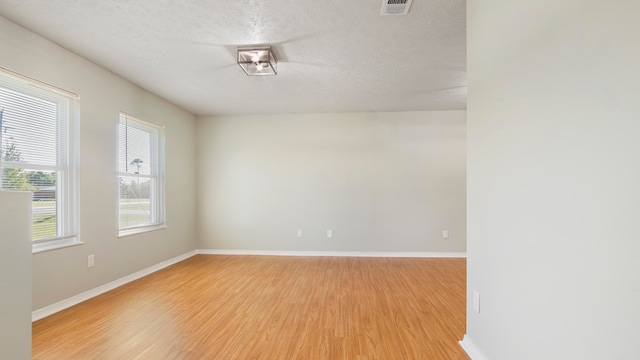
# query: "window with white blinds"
x,y
39,140
140,175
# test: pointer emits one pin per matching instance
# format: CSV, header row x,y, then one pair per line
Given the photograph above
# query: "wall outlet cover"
x,y
476,301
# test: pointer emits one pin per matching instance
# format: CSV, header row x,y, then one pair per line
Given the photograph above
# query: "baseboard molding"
x,y
334,253
74,300
471,349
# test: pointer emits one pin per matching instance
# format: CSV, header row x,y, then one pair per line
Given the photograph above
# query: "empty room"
x,y
319,179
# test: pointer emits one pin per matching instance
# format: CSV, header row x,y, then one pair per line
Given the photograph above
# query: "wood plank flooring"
x,y
255,307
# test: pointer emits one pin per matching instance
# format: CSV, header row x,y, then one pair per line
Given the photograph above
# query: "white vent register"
x,y
395,7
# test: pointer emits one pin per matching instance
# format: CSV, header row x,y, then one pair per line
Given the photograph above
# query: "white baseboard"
x,y
471,349
74,300
334,253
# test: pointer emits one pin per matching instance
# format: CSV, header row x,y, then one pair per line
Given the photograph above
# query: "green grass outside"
x,y
43,203
135,204
44,226
128,220
137,212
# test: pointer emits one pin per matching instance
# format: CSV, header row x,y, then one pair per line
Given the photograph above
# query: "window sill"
x,y
54,245
134,231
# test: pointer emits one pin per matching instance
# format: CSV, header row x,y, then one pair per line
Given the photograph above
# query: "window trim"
x,y
157,154
67,163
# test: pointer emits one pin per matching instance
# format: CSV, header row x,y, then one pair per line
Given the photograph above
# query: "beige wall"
x,y
15,275
63,273
380,181
553,179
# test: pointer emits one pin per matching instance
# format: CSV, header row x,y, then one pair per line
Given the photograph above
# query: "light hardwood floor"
x,y
255,307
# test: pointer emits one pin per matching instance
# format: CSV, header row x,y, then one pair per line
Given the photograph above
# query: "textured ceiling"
x,y
334,56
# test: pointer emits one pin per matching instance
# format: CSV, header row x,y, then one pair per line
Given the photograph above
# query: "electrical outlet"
x,y
476,301
445,234
91,260
329,234
299,233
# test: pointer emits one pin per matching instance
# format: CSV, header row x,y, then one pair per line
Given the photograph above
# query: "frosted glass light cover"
x,y
258,61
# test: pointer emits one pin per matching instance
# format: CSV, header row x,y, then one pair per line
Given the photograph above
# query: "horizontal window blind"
x,y
38,138
141,173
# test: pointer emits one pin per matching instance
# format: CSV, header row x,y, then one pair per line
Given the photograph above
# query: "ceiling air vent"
x,y
395,7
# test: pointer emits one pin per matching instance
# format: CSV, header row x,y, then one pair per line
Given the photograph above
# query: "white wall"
x,y
380,181
15,275
63,273
554,179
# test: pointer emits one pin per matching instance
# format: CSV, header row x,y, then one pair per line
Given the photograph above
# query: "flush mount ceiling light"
x,y
258,61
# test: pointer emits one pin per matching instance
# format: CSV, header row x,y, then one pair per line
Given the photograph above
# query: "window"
x,y
39,139
140,175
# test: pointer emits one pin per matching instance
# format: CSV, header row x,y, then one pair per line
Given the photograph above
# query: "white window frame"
x,y
156,176
67,159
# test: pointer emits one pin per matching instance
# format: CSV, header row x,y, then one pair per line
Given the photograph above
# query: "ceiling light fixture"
x,y
258,61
